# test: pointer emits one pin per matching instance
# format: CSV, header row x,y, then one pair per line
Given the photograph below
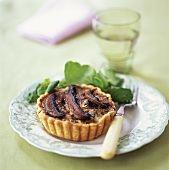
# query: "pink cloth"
x,y
57,20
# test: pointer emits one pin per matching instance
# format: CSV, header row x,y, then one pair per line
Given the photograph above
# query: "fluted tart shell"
x,y
77,129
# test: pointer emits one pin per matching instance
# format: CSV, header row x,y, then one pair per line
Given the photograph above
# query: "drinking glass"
x,y
117,31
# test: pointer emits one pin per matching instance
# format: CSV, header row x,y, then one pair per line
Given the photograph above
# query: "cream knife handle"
x,y
109,146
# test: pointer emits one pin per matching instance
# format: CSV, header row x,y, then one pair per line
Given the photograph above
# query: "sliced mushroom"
x,y
52,108
92,98
73,105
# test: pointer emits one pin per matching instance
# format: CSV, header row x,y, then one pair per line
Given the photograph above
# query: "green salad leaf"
x,y
78,74
52,85
36,90
31,93
43,86
112,77
75,73
120,95
99,80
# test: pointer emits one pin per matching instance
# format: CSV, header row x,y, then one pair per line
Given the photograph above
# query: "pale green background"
x,y
23,62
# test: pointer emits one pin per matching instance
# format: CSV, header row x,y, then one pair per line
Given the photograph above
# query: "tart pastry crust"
x,y
78,129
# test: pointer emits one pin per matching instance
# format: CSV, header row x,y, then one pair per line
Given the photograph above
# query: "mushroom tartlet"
x,y
77,112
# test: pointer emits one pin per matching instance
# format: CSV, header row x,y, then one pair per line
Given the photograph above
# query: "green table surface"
x,y
23,62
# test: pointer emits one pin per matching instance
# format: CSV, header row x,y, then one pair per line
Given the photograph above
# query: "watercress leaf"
x,y
112,77
100,80
120,95
52,85
97,82
118,82
62,84
78,74
31,93
43,86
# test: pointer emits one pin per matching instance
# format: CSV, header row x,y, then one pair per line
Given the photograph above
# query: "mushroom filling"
x,y
70,99
76,103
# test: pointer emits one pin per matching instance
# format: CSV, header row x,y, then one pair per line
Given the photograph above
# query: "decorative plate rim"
x,y
29,128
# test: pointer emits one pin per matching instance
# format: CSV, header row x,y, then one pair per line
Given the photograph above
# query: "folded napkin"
x,y
57,20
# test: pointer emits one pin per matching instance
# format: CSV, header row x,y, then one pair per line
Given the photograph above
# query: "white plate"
x,y
141,125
